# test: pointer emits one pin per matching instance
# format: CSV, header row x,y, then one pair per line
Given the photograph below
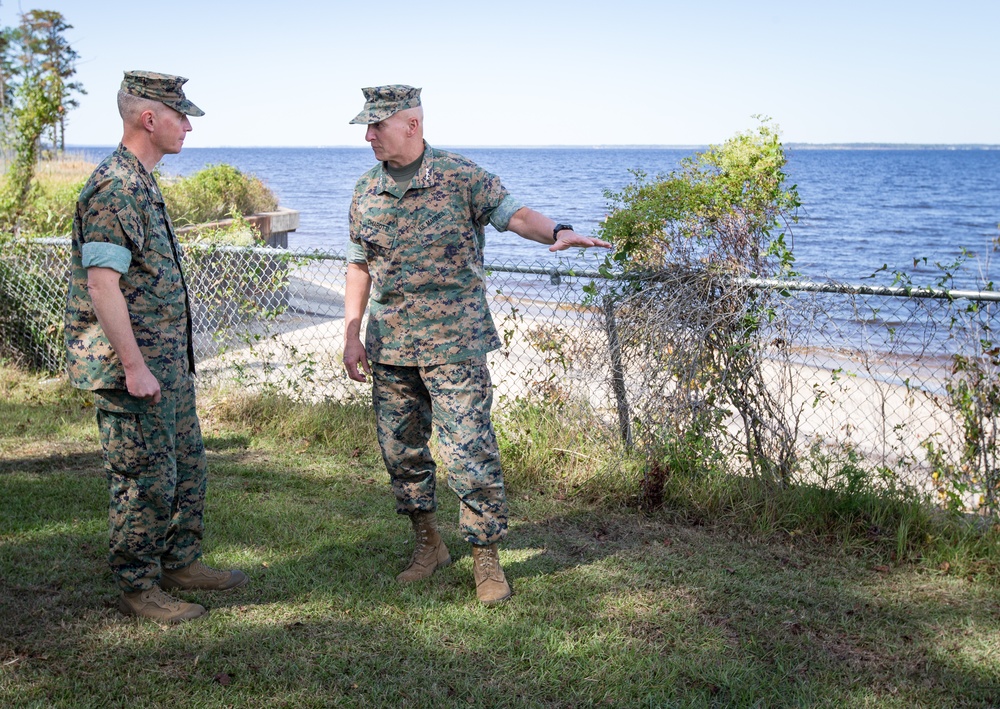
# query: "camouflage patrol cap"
x,y
383,101
164,88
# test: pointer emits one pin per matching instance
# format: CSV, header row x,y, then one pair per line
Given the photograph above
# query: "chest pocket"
x,y
381,235
159,233
428,230
133,226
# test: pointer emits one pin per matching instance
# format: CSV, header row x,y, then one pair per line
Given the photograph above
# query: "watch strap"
x,y
558,228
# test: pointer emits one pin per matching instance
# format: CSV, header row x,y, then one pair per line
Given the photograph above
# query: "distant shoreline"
x,y
891,146
789,146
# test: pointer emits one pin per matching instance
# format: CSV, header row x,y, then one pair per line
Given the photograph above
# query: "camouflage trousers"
x,y
157,472
455,399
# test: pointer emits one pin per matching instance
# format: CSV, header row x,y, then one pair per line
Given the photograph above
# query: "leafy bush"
x,y
238,232
214,193
37,107
692,337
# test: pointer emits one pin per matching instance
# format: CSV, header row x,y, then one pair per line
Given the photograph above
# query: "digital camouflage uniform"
x,y
429,329
153,453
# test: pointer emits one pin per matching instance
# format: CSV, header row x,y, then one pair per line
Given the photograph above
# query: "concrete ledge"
x,y
274,226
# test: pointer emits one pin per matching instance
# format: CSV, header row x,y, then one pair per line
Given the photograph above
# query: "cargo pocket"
x,y
124,438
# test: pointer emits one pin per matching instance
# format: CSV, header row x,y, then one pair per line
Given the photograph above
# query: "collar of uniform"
x,y
427,176
147,178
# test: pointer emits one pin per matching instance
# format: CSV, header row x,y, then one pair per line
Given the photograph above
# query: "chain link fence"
x,y
818,381
895,380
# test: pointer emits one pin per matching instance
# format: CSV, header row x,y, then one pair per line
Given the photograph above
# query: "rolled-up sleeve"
x,y
500,218
356,253
491,202
106,255
112,229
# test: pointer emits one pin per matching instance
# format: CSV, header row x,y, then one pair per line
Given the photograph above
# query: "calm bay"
x,y
907,209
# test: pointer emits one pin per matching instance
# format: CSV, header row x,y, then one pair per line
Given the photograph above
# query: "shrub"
x,y
214,193
37,106
691,336
238,232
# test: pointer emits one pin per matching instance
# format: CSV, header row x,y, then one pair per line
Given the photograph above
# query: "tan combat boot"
x,y
429,554
157,605
491,584
200,577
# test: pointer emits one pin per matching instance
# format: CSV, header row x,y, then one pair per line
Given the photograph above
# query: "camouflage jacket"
x,y
121,223
424,250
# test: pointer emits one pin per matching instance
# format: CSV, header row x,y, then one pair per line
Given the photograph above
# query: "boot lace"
x,y
423,538
488,562
199,568
159,597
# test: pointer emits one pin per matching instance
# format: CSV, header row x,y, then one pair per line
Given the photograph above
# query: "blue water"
x,y
860,208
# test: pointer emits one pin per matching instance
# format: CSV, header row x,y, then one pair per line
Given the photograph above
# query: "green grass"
x,y
611,607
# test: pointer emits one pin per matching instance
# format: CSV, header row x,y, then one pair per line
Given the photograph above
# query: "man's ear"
x,y
147,119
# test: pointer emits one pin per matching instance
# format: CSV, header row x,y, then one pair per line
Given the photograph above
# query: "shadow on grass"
x,y
227,442
57,463
608,607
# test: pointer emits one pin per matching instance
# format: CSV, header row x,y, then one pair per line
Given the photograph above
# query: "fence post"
x,y
617,372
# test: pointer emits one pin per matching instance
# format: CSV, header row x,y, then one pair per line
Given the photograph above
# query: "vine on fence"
x,y
241,293
966,466
965,461
32,299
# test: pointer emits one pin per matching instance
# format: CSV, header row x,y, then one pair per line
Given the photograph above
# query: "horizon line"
x,y
588,146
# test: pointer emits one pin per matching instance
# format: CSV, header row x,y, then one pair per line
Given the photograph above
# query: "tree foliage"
x,y
37,105
45,53
718,211
37,65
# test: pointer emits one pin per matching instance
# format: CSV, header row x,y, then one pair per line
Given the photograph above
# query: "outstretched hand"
x,y
568,239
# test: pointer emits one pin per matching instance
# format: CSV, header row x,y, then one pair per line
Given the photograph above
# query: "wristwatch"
x,y
558,228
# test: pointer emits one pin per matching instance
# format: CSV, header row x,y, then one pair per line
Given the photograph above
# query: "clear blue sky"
x,y
540,72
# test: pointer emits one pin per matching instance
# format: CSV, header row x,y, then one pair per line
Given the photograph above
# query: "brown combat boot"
x,y
491,584
200,577
157,605
429,554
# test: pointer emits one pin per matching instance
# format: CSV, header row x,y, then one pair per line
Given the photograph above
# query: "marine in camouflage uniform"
x,y
150,434
417,229
429,327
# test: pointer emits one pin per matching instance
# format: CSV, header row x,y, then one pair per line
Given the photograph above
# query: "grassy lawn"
x,y
611,607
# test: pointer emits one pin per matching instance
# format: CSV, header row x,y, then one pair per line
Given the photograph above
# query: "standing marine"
x,y
128,339
417,230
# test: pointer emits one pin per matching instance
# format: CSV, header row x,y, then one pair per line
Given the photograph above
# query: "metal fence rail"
x,y
863,369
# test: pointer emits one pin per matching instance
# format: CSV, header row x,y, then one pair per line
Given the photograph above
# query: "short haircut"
x,y
131,107
417,111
